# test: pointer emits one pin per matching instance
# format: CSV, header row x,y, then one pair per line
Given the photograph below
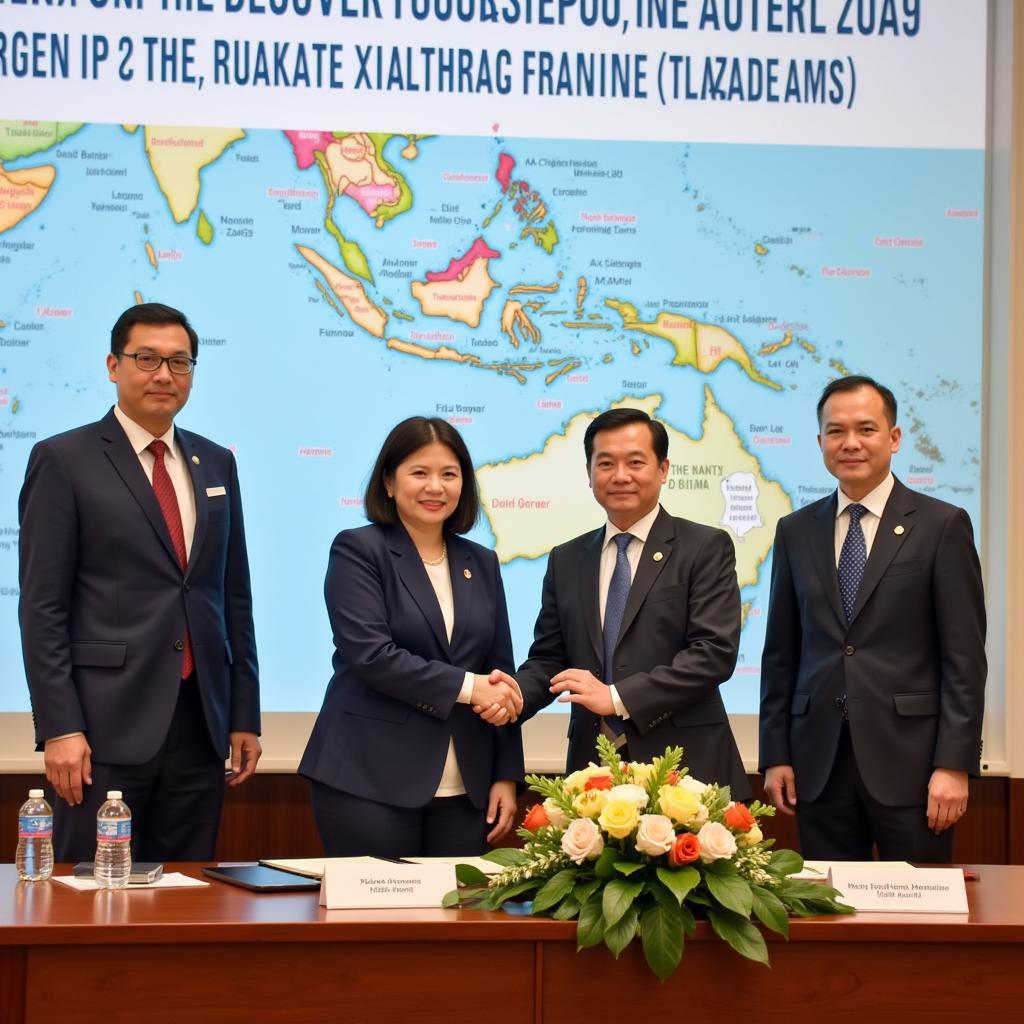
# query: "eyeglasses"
x,y
150,362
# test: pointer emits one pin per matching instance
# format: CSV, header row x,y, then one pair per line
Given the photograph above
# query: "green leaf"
x,y
785,862
731,891
604,866
506,856
554,889
617,898
567,910
661,932
585,890
451,899
770,910
740,934
627,867
621,934
679,880
590,929
508,892
689,922
467,874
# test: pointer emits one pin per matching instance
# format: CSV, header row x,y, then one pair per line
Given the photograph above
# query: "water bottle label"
x,y
114,830
35,826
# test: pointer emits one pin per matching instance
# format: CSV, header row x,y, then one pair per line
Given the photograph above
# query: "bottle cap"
x,y
113,794
35,794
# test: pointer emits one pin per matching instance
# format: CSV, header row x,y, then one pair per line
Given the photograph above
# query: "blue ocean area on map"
x,y
511,285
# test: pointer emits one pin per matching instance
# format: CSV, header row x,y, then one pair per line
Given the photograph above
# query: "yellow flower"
x,y
591,803
751,838
619,818
575,782
679,804
640,773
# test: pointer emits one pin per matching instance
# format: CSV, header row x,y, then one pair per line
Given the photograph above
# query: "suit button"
x,y
838,702
848,649
179,645
186,586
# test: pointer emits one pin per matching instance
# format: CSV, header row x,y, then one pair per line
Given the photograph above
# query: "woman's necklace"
x,y
437,561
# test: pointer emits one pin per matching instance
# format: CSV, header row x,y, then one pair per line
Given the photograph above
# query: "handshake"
x,y
496,698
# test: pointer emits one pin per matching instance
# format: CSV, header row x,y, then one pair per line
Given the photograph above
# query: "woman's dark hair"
x,y
405,438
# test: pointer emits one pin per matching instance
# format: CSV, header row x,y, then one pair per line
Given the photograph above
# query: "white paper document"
x,y
172,880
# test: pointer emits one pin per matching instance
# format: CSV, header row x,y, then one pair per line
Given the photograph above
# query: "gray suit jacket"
x,y
677,645
911,661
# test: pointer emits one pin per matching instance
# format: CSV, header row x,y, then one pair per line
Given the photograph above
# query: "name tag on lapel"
x,y
215,492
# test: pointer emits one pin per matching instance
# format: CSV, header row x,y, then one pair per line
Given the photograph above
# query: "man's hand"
x,y
245,752
501,805
947,798
578,686
780,787
496,698
68,763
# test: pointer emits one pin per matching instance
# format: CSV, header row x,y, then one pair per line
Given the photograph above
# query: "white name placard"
x,y
366,883
903,890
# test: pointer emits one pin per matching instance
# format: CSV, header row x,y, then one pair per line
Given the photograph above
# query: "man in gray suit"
x,y
640,618
873,673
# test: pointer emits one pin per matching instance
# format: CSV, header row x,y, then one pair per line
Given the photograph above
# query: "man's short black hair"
x,y
612,419
150,313
405,438
853,383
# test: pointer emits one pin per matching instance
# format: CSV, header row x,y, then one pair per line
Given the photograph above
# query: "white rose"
x,y
699,818
634,794
716,842
693,785
555,814
582,840
655,835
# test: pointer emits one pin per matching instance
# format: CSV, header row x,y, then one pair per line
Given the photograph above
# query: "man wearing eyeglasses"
x,y
136,613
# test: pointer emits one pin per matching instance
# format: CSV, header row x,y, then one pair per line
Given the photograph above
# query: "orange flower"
x,y
685,850
598,782
536,817
738,818
672,778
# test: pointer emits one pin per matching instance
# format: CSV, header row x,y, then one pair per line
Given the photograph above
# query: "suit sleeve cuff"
x,y
63,736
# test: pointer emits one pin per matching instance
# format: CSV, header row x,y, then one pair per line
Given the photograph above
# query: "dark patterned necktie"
x,y
852,560
163,487
614,608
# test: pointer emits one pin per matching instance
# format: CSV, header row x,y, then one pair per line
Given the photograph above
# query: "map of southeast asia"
x,y
341,280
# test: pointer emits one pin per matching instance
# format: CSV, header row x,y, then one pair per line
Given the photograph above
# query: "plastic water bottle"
x,y
35,839
113,843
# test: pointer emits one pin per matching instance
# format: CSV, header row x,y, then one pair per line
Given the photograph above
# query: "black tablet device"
x,y
260,878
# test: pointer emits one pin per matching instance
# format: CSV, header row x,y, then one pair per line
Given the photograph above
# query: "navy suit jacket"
x,y
105,605
911,661
390,707
677,644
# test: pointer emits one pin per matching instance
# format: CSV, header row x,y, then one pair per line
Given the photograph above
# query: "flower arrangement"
x,y
644,849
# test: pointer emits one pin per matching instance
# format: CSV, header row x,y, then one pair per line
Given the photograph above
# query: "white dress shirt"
x,y
874,501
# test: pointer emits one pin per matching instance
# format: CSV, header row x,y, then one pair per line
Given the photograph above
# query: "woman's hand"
x,y
501,809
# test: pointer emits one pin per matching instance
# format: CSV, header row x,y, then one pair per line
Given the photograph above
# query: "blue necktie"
x,y
852,560
615,604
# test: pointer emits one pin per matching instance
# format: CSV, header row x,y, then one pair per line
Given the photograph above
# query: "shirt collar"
x,y
640,529
874,501
139,437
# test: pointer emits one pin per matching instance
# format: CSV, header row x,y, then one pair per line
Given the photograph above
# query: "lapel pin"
x,y
898,530
657,556
467,574
195,459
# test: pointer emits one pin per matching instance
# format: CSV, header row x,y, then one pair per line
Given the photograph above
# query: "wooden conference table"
x,y
221,954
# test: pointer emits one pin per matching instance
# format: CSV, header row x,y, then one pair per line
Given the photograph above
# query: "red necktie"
x,y
168,501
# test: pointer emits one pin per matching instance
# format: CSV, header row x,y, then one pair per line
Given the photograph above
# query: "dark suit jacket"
x,y
677,645
104,601
390,708
911,660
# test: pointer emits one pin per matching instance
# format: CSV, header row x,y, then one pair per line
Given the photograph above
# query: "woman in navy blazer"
x,y
399,763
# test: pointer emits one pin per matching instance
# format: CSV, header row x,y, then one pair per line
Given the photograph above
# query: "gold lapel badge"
x,y
898,530
657,556
195,459
467,574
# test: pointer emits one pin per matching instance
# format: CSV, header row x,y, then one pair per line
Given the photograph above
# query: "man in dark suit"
x,y
136,614
873,673
640,619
